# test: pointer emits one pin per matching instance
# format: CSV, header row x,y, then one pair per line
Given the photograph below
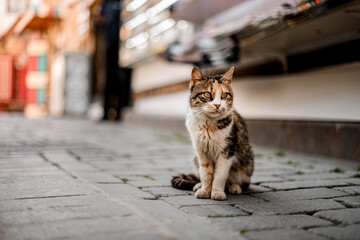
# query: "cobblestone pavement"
x,y
76,179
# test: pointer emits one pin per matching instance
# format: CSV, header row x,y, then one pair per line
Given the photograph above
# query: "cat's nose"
x,y
217,105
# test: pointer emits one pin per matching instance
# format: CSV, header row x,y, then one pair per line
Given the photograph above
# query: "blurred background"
x,y
297,64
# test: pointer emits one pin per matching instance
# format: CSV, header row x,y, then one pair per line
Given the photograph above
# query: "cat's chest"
x,y
207,136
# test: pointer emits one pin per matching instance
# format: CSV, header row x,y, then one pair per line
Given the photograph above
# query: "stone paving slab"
x,y
355,181
181,201
51,214
123,191
266,178
30,169
74,228
344,216
290,207
75,179
275,170
151,183
350,232
293,234
16,164
355,190
300,194
306,184
214,211
98,177
251,223
160,210
166,191
195,231
38,184
14,194
23,178
41,202
318,176
352,201
142,235
23,181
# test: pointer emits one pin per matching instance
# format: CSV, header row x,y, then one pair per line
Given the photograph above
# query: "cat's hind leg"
x,y
235,189
238,181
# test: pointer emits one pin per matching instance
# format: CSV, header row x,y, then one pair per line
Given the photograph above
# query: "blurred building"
x,y
46,51
297,68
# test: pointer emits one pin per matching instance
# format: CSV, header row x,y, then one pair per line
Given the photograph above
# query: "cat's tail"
x,y
185,181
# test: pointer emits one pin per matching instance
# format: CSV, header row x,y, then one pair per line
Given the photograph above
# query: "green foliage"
x,y
148,177
336,170
356,175
160,196
280,154
291,163
125,180
300,173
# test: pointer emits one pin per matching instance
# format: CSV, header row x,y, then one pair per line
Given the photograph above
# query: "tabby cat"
x,y
224,158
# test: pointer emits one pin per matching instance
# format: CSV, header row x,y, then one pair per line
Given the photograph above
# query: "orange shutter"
x,y
6,78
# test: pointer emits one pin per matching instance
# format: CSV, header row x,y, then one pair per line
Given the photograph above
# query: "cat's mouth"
x,y
221,110
216,113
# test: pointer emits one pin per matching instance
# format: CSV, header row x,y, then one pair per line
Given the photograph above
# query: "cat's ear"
x,y
196,75
227,77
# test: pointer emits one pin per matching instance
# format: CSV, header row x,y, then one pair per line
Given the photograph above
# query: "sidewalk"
x,y
76,179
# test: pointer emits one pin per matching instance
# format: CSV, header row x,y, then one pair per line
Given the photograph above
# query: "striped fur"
x,y
185,181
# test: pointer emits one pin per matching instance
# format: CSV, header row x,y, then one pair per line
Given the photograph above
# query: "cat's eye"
x,y
224,95
207,94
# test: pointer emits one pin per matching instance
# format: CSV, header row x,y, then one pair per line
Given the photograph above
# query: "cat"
x,y
223,155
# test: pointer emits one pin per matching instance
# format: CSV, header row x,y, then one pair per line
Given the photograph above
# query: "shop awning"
x,y
31,21
10,29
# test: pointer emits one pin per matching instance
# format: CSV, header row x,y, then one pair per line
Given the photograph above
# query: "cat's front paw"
x,y
218,195
201,193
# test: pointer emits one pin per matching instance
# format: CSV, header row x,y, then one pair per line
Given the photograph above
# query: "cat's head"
x,y
211,96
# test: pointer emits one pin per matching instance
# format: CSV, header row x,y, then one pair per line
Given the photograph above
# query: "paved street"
x,y
76,179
